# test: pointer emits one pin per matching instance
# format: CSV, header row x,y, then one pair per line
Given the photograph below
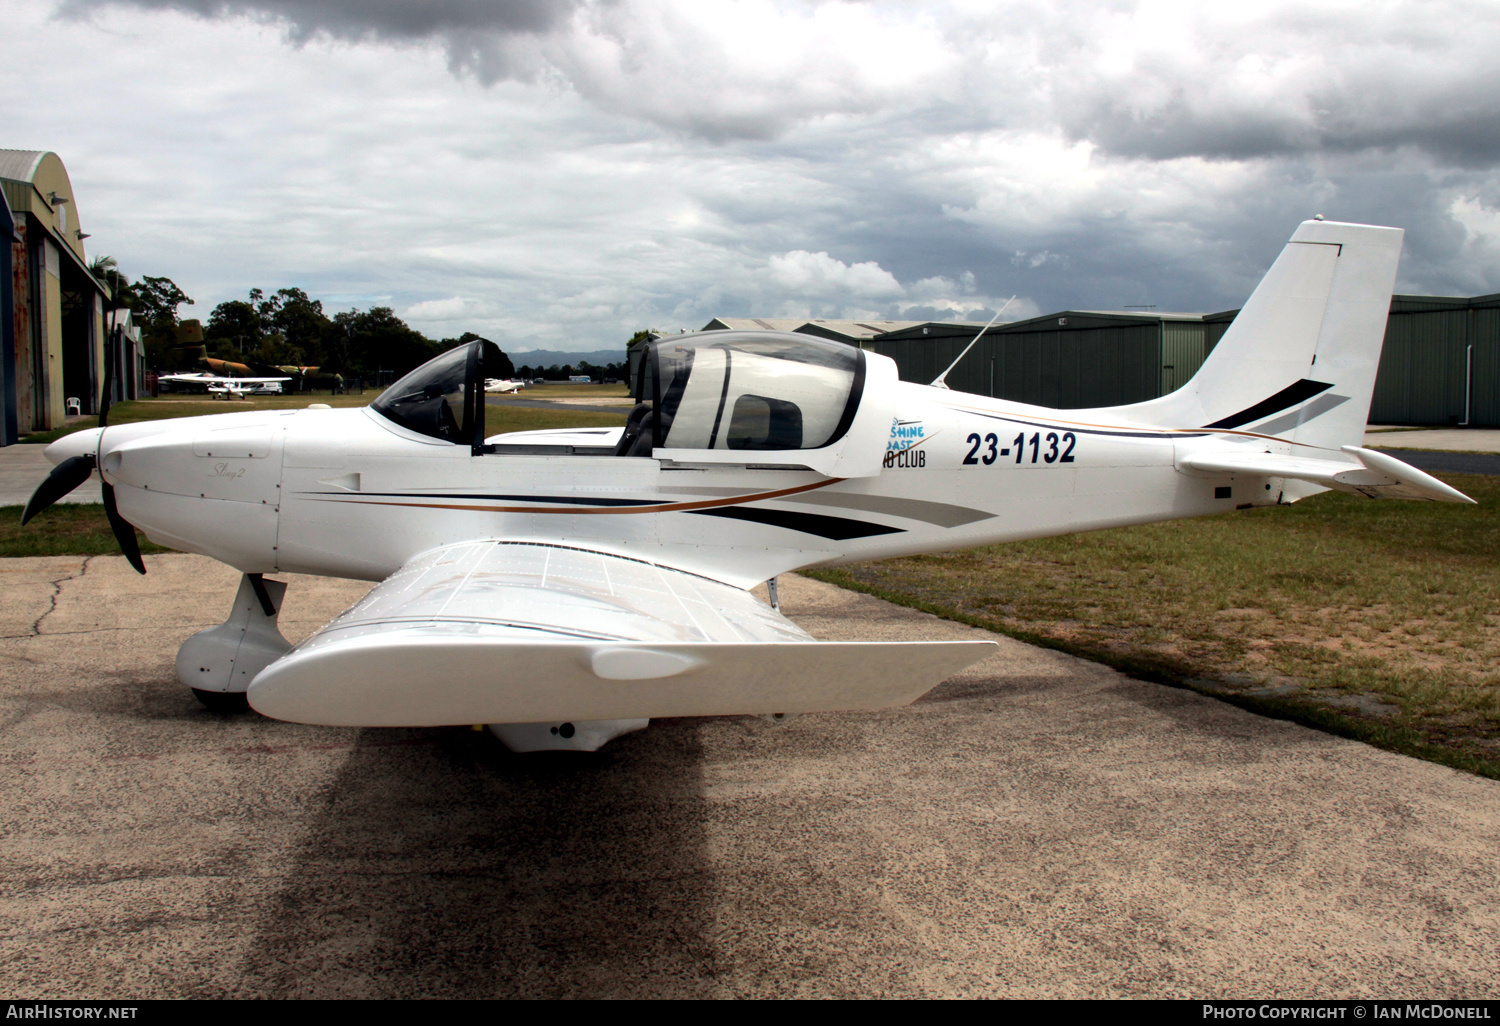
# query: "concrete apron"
x,y
1036,826
23,467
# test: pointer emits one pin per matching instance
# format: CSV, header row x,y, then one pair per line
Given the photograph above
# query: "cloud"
x,y
1149,79
450,309
361,19
818,275
715,69
807,284
655,163
1235,82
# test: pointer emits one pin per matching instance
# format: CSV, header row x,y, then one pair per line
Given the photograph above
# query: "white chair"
x,y
75,407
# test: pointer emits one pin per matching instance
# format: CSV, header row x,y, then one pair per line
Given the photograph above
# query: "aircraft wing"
x,y
1376,474
524,632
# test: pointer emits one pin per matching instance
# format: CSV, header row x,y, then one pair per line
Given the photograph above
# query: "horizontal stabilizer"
x,y
417,677
1376,475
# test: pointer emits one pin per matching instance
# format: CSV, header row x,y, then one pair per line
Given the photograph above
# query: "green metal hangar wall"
x,y
54,333
1441,363
1069,360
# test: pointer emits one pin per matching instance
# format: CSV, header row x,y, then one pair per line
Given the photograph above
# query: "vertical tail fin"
x,y
1300,358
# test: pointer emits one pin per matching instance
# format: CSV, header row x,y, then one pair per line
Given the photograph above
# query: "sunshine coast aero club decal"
x,y
903,448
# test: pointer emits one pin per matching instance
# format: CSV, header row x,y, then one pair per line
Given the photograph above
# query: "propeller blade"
x,y
110,348
124,532
66,476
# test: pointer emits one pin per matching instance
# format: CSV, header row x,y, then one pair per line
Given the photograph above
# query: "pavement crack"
x,y
91,630
36,627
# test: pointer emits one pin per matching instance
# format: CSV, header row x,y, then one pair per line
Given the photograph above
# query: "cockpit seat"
x,y
638,432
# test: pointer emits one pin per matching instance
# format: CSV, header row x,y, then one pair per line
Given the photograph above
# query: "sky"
x,y
557,174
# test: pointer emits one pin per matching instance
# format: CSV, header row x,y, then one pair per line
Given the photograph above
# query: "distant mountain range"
x,y
555,358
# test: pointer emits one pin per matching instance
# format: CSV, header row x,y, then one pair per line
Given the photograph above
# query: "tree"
x,y
375,342
285,328
153,304
157,300
106,270
235,321
503,369
301,323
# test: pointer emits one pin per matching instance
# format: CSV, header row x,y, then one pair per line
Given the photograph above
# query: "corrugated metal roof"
x,y
859,329
1413,304
832,328
755,323
1151,315
20,165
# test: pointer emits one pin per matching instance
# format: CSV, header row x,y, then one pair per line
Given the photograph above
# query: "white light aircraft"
x,y
228,388
501,386
567,586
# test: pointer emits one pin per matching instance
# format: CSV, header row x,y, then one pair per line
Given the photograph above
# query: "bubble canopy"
x,y
444,398
724,390
755,391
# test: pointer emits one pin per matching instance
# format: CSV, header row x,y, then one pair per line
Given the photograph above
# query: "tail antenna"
x,y
938,381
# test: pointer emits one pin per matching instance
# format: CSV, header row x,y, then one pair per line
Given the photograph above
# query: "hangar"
x,y
1441,363
54,337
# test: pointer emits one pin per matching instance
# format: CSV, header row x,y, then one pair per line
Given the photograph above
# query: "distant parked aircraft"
x,y
228,388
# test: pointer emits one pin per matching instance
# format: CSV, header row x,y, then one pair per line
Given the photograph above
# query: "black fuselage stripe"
x,y
834,528
1287,397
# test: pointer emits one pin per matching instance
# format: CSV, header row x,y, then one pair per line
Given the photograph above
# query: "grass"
x,y
133,411
1377,620
66,529
563,390
499,419
498,416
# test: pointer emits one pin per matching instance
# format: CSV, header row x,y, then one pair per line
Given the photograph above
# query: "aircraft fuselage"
x,y
346,493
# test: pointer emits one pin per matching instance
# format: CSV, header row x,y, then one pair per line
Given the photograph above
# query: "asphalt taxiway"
x,y
1035,826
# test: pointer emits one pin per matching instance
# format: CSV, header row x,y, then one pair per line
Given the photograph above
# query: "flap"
x,y
515,632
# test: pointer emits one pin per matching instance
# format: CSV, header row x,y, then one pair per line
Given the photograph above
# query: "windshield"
x,y
443,398
755,391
